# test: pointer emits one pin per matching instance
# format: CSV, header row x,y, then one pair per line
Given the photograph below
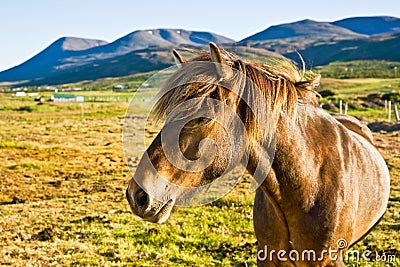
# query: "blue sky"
x,y
28,26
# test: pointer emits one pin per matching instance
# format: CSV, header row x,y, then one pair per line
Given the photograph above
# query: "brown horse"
x,y
324,188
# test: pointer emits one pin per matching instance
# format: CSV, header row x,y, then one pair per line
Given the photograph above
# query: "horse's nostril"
x,y
141,198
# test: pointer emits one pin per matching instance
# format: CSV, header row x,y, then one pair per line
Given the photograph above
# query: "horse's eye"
x,y
214,94
202,120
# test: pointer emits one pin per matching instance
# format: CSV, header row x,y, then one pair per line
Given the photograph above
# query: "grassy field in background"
x,y
360,69
350,88
62,192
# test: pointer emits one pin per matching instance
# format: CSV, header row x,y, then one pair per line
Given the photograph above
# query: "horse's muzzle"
x,y
148,209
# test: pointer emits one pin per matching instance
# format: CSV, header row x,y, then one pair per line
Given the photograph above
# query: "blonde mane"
x,y
282,84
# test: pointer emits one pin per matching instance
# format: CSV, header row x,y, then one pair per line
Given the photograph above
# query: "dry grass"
x,y
62,183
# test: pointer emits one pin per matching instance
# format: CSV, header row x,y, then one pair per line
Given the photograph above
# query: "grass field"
x,y
360,87
62,198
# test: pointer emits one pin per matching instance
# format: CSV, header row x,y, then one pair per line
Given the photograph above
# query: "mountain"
x,y
68,53
370,25
291,37
77,44
144,60
149,59
303,28
71,59
378,47
47,60
320,43
162,37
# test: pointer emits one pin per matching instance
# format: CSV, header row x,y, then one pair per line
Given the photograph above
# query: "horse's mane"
x,y
282,84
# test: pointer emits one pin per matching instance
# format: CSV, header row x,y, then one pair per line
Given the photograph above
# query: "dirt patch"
x,y
388,127
15,200
44,235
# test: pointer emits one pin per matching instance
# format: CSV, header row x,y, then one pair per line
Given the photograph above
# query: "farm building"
x,y
20,94
120,87
63,98
80,98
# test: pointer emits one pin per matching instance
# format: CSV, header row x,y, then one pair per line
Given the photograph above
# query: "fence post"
x,y
395,111
346,107
386,105
340,106
389,110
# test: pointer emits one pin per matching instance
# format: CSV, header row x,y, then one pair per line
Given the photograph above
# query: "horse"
x,y
323,190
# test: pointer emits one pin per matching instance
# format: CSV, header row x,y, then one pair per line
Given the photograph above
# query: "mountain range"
x,y
71,59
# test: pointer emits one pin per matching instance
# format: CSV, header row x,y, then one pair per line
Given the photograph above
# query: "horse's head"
x,y
196,144
220,111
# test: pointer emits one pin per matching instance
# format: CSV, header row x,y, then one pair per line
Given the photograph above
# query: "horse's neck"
x,y
295,164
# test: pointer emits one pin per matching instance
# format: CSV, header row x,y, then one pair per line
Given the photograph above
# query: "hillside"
x,y
324,42
71,56
130,63
304,28
143,39
381,47
370,25
46,61
154,58
77,44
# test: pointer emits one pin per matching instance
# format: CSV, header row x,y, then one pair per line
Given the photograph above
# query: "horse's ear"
x,y
223,69
315,82
178,58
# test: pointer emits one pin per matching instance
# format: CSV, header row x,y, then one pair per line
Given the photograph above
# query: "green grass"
x,y
351,88
360,69
66,162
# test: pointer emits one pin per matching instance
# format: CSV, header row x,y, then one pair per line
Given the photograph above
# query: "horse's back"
x,y
355,125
